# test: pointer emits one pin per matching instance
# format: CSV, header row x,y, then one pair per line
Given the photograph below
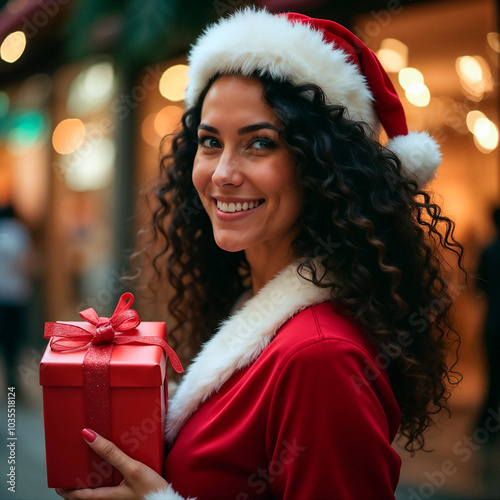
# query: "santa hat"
x,y
300,49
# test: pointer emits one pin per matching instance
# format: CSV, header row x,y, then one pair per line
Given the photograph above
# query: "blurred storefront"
x,y
76,81
90,89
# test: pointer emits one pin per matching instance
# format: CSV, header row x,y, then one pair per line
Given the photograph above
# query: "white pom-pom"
x,y
419,154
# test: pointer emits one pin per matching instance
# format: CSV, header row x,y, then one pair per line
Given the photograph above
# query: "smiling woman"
x,y
317,246
241,162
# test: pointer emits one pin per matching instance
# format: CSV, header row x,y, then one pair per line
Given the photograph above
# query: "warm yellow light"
x,y
493,39
390,60
93,170
481,127
148,131
472,117
487,80
469,69
68,136
485,135
475,76
173,82
393,55
167,120
418,94
13,46
410,76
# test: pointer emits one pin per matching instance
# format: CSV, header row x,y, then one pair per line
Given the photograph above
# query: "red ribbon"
x,y
96,378
68,338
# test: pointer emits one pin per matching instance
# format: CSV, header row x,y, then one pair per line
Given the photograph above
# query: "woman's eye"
x,y
261,144
208,142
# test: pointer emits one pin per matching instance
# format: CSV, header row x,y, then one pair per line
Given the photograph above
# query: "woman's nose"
x,y
228,170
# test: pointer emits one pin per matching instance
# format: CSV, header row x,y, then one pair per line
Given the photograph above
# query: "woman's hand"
x,y
138,479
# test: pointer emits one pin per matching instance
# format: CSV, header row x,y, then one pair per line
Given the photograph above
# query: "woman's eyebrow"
x,y
256,126
242,130
208,128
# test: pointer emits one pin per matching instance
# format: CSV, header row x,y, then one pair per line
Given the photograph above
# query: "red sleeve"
x,y
329,429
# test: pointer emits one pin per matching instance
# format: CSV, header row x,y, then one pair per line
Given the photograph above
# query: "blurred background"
x,y
87,90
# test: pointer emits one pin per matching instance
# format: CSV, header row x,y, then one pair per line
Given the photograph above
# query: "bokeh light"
x,y
157,125
92,89
173,82
472,117
469,69
148,131
13,46
410,76
475,76
92,170
68,136
485,135
25,130
493,39
418,94
167,120
393,55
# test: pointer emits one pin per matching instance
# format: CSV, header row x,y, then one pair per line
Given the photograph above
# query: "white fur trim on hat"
x,y
255,40
419,154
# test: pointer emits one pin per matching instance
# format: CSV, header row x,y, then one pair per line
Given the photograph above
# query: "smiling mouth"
x,y
238,207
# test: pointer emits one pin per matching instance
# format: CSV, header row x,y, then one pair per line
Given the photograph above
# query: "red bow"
x,y
99,346
68,338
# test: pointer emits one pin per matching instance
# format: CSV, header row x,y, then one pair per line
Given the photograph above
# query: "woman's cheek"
x,y
197,176
201,177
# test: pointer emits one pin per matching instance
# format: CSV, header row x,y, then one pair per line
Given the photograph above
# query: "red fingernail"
x,y
89,435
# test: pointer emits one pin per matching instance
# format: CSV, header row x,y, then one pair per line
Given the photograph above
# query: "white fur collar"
x,y
240,340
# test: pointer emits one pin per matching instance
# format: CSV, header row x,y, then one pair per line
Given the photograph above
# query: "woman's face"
x,y
243,173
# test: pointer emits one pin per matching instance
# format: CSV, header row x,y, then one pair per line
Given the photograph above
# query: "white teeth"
x,y
236,207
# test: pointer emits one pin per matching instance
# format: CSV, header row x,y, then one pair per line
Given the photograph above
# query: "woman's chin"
x,y
229,245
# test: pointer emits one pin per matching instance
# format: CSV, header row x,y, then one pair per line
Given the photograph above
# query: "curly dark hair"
x,y
363,219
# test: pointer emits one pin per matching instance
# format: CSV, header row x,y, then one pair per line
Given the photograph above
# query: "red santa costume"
x,y
289,400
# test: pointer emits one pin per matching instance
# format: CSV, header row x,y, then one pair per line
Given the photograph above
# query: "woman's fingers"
x,y
111,453
138,479
105,493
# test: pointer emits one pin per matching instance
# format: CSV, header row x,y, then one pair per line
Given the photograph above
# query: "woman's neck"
x,y
265,266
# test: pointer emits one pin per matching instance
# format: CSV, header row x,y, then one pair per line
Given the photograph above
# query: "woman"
x,y
331,246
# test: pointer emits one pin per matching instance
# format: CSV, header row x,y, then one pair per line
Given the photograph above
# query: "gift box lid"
x,y
130,366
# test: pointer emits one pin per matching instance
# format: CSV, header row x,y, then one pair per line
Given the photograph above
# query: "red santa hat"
x,y
300,49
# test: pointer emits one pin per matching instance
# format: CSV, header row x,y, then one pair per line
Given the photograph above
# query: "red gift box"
x,y
136,400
